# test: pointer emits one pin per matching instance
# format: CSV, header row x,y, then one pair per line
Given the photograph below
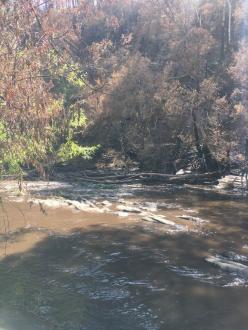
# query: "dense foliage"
x,y
163,82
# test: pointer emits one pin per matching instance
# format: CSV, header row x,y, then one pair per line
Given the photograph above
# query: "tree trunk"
x,y
209,163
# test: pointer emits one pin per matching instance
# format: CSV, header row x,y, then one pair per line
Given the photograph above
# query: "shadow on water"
x,y
119,279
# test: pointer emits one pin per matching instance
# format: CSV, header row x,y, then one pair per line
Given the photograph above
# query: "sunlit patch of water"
x,y
237,257
237,282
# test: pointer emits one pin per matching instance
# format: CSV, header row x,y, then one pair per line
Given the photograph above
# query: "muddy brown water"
x,y
68,270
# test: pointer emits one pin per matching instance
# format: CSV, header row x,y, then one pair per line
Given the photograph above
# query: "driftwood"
x,y
113,177
150,178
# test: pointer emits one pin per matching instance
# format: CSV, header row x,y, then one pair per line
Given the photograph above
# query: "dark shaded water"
x,y
101,273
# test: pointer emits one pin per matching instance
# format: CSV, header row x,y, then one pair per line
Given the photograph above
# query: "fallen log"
x,y
193,178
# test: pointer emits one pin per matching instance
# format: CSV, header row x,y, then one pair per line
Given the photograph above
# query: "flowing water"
x,y
66,269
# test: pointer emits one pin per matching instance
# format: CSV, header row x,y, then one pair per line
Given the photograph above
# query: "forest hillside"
x,y
157,84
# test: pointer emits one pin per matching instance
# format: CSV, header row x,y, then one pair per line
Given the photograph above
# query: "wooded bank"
x,y
162,84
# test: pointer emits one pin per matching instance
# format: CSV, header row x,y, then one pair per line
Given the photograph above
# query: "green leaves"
x,y
3,133
40,84
71,149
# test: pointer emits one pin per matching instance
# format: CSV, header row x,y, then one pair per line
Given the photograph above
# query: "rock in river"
x,y
190,218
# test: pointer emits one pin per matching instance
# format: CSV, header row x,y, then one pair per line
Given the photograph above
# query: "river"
x,y
106,268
